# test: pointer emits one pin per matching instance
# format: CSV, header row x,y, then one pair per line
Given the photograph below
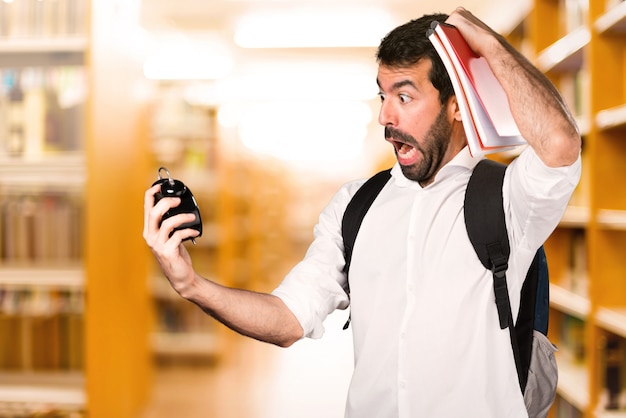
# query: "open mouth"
x,y
406,154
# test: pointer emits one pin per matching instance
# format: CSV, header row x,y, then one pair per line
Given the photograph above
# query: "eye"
x,y
404,98
381,96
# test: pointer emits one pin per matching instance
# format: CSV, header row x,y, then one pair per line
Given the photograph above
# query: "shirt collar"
x,y
462,161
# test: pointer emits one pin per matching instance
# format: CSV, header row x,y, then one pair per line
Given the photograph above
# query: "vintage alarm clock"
x,y
176,188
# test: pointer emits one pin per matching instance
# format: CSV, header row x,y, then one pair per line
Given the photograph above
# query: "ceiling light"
x,y
306,85
186,59
311,27
305,80
306,130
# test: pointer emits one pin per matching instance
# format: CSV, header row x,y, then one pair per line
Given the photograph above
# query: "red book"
x,y
487,118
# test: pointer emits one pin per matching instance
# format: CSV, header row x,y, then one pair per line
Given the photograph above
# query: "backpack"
x,y
485,222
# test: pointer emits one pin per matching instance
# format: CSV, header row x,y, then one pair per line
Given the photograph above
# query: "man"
x,y
426,337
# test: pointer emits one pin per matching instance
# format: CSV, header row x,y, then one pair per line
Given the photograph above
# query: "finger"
x,y
458,16
177,221
148,200
148,204
186,233
153,219
463,16
169,225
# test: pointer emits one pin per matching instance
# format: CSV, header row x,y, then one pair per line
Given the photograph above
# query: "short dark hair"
x,y
407,44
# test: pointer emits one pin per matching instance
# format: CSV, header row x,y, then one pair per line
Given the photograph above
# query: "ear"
x,y
454,112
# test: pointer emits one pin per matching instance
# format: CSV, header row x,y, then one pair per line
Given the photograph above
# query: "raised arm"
x,y
538,108
257,315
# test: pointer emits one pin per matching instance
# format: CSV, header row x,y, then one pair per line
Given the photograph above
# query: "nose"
x,y
387,115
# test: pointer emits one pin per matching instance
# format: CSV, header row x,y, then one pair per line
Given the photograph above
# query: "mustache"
x,y
393,133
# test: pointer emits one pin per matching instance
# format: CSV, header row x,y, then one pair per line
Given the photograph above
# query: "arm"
x,y
261,316
539,110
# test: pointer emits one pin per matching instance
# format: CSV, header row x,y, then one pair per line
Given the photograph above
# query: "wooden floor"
x,y
256,380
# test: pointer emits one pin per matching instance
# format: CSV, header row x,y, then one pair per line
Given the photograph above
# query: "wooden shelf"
x,y
109,160
587,64
614,117
58,45
612,219
565,55
610,414
184,344
22,52
40,392
613,320
575,217
584,126
66,171
612,21
42,277
573,385
601,412
569,302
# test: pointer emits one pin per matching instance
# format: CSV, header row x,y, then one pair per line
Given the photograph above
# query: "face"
x,y
415,122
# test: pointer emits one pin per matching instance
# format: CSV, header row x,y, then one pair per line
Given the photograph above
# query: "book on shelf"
x,y
41,227
572,339
578,263
41,330
38,19
614,365
41,110
487,118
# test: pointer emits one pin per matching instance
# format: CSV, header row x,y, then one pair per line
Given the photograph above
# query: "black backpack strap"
x,y
354,214
486,227
356,210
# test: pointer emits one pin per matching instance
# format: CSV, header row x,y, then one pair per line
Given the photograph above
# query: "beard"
x,y
432,148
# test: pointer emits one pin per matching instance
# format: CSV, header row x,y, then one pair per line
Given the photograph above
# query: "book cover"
x,y
471,133
485,110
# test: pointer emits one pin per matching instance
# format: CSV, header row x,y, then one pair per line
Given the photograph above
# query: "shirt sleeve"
x,y
535,198
315,287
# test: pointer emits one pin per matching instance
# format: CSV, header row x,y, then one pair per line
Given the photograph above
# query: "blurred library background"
x,y
263,108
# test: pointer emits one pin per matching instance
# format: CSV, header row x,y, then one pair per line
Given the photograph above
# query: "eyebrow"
x,y
399,84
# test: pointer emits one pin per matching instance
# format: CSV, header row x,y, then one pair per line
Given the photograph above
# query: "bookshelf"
x,y
73,290
583,54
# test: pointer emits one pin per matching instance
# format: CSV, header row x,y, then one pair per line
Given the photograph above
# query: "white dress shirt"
x,y
427,341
